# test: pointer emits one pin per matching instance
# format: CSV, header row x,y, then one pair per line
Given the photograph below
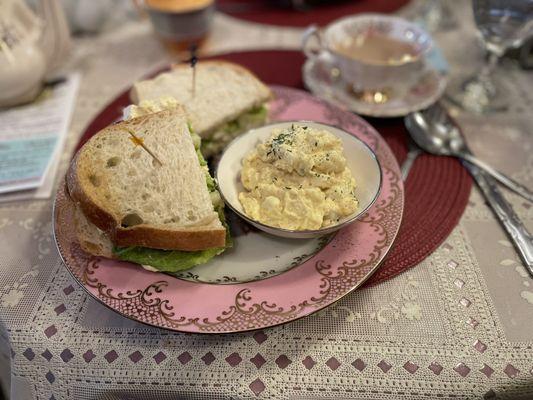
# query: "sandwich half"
x,y
161,211
227,101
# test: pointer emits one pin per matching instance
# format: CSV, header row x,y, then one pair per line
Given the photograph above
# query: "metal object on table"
x,y
435,132
413,151
436,119
521,238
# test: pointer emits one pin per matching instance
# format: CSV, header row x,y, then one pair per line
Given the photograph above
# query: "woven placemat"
x,y
268,12
436,191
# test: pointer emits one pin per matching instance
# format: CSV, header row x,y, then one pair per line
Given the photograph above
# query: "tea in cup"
x,y
378,56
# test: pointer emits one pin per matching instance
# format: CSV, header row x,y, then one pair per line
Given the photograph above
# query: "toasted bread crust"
x,y
94,213
139,235
99,246
147,236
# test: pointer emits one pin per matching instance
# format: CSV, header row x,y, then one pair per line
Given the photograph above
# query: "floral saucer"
x,y
323,79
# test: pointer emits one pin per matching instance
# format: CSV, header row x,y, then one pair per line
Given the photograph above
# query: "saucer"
x,y
322,78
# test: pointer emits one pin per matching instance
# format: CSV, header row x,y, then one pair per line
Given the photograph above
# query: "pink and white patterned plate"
x,y
182,305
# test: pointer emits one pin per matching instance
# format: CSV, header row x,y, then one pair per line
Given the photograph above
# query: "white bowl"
x,y
361,160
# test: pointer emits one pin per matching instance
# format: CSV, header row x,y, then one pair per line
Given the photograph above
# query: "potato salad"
x,y
298,179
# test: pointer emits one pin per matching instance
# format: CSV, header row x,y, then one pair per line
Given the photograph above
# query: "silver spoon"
x,y
435,121
444,138
413,151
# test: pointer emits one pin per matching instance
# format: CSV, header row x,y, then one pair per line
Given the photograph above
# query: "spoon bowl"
x,y
437,133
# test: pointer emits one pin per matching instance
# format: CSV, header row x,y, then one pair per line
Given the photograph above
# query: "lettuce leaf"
x,y
166,260
172,261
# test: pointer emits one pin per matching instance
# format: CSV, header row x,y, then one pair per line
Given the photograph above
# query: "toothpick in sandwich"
x,y
139,142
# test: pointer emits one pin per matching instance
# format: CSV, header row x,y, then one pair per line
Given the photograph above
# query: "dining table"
x,y
458,324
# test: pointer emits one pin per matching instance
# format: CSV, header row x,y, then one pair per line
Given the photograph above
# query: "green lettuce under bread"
x,y
218,139
173,261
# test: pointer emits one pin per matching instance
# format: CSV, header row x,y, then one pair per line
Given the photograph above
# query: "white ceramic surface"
x,y
361,160
362,74
254,256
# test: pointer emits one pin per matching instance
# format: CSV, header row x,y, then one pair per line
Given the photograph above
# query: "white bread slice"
x,y
136,201
224,91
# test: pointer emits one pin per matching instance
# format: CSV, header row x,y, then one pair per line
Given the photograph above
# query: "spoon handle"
x,y
412,155
503,179
521,238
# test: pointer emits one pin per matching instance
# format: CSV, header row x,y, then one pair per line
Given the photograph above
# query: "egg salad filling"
x,y
298,179
215,141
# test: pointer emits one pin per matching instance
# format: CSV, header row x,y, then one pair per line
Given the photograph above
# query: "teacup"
x,y
376,55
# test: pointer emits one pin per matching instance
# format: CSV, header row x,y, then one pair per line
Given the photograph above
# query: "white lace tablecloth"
x,y
459,325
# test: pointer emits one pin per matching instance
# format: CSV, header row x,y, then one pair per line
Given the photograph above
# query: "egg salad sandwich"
x,y
227,99
143,194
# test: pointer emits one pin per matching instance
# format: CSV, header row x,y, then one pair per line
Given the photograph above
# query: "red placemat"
x,y
436,191
269,12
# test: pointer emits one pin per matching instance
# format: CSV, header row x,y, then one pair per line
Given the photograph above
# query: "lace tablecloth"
x,y
459,325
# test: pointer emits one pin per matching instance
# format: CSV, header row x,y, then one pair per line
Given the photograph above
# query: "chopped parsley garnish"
x,y
282,138
278,141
